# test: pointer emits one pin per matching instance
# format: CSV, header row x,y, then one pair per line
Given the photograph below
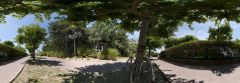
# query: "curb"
x,y
18,73
163,74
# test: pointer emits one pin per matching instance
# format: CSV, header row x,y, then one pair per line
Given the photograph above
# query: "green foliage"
x,y
154,42
224,32
136,14
204,50
9,43
237,41
132,49
108,34
87,52
59,40
31,36
20,48
7,51
109,54
170,42
58,54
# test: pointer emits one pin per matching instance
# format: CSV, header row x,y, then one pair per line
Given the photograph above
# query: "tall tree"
x,y
31,36
170,42
140,13
66,36
108,34
153,43
224,32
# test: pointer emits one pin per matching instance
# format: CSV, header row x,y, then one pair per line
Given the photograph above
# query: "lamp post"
x,y
74,36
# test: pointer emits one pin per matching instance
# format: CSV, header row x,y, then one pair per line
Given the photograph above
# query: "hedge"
x,y
10,52
203,50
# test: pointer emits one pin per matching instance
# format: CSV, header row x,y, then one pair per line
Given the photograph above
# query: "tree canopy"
x,y
108,34
134,14
224,32
9,43
170,42
31,36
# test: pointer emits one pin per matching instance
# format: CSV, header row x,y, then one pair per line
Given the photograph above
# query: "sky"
x,y
8,30
200,30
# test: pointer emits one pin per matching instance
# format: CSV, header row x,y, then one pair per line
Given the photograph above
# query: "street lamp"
x,y
74,36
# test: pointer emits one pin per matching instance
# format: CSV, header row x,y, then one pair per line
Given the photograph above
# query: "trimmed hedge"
x,y
203,50
10,52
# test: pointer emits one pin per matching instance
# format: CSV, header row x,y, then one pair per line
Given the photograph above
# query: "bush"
x,y
154,54
58,54
109,54
10,52
86,52
203,50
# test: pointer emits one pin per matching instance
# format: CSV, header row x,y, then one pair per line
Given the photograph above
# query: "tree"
x,y
170,42
66,37
132,48
153,43
31,36
237,41
9,43
224,32
108,34
137,14
19,47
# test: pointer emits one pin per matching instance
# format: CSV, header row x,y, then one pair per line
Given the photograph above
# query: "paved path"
x,y
191,74
9,71
77,64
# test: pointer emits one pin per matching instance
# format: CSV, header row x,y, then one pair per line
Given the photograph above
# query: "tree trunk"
x,y
33,55
142,36
149,52
75,47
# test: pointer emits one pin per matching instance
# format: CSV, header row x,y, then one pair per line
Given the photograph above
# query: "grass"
x,y
40,74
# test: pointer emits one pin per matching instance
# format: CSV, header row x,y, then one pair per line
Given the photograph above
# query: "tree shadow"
x,y
5,61
217,69
109,67
44,61
106,73
173,79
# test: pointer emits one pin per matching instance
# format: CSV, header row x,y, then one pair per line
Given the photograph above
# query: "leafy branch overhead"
x,y
161,17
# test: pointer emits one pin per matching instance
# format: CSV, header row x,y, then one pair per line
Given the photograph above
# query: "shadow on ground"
x,y
180,80
218,70
4,61
106,73
44,61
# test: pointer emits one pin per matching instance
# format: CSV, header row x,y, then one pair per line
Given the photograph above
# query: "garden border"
x,y
18,73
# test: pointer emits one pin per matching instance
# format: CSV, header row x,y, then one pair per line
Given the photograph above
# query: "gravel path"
x,y
9,71
191,74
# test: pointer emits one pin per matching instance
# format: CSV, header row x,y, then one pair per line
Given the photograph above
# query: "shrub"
x,y
154,54
86,52
203,50
58,54
109,54
10,52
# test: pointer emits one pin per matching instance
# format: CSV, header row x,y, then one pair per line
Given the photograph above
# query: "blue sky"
x,y
200,30
8,31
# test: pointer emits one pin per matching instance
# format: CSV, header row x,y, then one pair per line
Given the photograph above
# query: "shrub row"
x,y
203,50
58,54
10,52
